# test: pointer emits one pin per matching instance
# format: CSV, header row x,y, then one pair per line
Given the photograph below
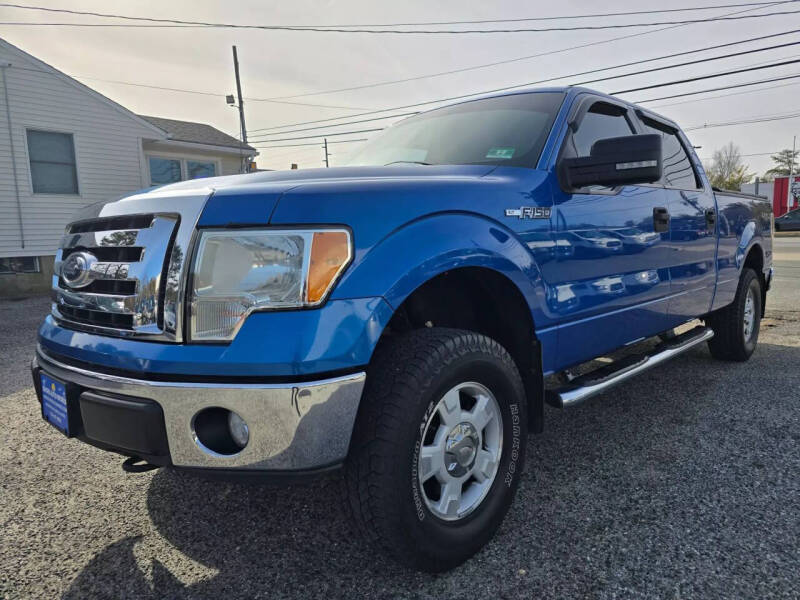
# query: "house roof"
x,y
197,133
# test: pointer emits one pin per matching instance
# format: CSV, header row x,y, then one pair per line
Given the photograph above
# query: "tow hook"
x,y
135,464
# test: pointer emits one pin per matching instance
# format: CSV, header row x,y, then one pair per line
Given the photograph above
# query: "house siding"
x,y
107,150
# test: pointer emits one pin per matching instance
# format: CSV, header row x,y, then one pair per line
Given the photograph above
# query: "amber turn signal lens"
x,y
330,252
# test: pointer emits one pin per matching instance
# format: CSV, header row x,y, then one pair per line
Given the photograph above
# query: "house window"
x,y
164,170
169,170
52,156
197,170
19,264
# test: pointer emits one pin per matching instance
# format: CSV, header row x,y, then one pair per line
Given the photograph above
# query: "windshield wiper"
x,y
407,162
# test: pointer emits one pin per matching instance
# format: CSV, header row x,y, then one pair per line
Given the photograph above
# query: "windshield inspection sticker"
x,y
529,212
500,152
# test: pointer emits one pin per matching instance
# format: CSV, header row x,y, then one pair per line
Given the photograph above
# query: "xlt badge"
x,y
529,212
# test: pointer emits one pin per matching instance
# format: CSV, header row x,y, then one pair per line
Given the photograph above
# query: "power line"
x,y
310,144
662,68
718,89
749,121
261,137
708,158
462,96
172,23
277,100
769,87
427,23
640,102
711,76
308,137
185,91
521,58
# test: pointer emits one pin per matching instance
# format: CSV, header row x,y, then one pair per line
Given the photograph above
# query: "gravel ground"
x,y
683,483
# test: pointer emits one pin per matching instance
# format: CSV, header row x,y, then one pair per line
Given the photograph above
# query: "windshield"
x,y
507,130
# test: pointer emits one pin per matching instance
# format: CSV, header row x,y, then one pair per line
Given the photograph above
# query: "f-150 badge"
x,y
529,212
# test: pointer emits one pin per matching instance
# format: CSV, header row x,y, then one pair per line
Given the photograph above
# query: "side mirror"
x,y
616,161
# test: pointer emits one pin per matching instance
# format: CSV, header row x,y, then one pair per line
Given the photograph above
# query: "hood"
x,y
299,176
251,199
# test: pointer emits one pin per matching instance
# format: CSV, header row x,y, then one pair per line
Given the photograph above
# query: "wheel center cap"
x,y
461,447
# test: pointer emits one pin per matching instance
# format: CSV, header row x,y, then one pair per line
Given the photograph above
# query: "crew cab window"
x,y
678,170
600,122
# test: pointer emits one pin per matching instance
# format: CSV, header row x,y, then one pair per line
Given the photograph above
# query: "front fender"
x,y
422,249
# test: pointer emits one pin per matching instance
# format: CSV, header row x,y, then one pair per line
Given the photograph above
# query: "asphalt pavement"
x,y
682,483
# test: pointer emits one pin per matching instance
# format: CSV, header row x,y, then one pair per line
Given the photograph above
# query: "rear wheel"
x,y
737,325
438,446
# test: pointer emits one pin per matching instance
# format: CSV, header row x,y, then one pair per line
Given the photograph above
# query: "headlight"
x,y
237,272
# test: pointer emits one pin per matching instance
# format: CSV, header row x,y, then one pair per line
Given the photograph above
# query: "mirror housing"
x,y
626,160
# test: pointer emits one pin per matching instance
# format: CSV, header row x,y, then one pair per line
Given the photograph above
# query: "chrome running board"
x,y
604,378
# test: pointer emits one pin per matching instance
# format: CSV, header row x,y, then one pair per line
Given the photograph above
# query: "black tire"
x,y
405,381
729,341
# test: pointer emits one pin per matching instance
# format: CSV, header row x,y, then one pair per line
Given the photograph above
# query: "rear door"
x,y
693,225
609,285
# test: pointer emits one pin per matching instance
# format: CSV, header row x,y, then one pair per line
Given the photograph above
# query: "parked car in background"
x,y
788,222
396,320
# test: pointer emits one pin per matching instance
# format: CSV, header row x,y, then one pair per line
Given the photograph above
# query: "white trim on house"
x,y
243,152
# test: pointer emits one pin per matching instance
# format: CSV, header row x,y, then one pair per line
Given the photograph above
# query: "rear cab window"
x,y
679,173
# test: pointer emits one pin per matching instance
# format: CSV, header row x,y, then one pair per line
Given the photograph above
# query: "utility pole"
x,y
789,196
326,152
241,103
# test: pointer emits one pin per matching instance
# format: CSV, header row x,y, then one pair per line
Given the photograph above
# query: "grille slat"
x,y
109,223
110,254
97,317
117,287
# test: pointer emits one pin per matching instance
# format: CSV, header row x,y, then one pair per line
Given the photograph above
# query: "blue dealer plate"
x,y
54,403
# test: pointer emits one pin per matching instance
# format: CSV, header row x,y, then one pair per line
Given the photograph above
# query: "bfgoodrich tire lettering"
x,y
405,383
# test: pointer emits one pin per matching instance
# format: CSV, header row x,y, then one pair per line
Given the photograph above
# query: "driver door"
x,y
611,288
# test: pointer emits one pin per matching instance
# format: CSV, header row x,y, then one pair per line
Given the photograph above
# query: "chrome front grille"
x,y
137,250
123,290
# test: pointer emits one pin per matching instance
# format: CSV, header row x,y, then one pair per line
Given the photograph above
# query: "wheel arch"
x,y
754,259
485,300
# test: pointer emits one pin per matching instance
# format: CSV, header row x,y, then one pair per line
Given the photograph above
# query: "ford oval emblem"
x,y
76,270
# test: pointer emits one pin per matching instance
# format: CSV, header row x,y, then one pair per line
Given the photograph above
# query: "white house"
x,y
64,146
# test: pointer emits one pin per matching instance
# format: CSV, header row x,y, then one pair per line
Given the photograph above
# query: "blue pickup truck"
x,y
402,320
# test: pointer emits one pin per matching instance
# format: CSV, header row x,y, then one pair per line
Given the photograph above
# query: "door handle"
x,y
711,219
660,219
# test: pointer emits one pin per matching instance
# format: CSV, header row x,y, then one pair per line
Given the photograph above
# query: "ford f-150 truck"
x,y
404,319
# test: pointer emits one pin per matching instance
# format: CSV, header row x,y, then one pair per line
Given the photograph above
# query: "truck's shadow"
x,y
625,468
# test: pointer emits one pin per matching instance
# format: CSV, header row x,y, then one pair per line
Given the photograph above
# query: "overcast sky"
x,y
281,63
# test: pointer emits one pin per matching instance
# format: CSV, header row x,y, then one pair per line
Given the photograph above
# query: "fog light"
x,y
239,430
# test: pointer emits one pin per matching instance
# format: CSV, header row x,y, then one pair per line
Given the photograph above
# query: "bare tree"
x,y
727,171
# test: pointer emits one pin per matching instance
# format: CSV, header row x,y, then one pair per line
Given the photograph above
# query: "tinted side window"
x,y
678,169
601,122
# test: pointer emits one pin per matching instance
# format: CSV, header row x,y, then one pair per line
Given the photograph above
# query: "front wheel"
x,y
737,325
438,446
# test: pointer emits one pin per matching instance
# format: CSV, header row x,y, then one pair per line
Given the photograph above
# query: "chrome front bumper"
x,y
293,426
